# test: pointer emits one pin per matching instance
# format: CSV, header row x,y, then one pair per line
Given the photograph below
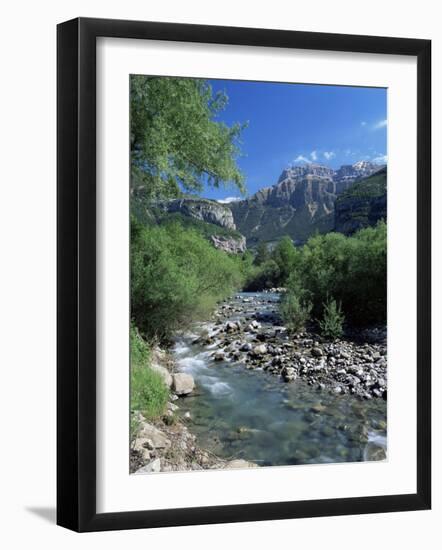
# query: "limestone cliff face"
x,y
213,219
232,245
299,204
201,209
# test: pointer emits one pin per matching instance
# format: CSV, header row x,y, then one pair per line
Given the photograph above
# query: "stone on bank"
x,y
183,383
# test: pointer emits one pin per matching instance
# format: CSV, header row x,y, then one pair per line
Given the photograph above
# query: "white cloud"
x,y
229,199
314,155
328,155
380,124
381,159
301,158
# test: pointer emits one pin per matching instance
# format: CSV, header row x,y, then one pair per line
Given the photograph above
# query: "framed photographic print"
x,y
243,274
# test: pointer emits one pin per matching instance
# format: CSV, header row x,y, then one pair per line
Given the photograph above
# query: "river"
x,y
256,416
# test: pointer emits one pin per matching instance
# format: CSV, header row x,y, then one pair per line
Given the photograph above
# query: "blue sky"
x,y
296,123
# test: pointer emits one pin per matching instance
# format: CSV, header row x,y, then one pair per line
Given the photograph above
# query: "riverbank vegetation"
x,y
349,271
148,393
177,277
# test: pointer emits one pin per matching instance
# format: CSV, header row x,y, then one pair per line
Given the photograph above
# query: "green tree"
x,y
351,269
176,276
176,141
262,253
285,256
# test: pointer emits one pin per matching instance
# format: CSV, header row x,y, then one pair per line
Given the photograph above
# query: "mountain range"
x,y
304,200
301,203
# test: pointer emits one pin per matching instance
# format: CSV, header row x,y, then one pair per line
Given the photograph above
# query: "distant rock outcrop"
x,y
201,209
232,245
212,219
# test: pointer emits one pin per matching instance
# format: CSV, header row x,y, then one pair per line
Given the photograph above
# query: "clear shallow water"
x,y
250,414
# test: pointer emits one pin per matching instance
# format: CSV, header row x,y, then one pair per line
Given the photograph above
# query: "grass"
x,y
148,392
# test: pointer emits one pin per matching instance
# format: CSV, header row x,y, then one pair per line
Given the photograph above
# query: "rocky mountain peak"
x,y
301,202
304,170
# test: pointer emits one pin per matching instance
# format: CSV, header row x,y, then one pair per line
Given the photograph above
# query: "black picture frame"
x,y
76,274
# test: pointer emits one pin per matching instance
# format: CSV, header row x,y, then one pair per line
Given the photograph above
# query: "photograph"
x,y
258,274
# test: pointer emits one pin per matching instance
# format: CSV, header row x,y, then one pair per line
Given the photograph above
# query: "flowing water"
x,y
254,415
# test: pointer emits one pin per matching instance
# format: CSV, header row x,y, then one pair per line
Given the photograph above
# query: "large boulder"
x,y
152,438
164,373
141,446
154,466
183,383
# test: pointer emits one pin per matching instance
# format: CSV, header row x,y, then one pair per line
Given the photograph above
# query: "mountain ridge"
x,y
301,202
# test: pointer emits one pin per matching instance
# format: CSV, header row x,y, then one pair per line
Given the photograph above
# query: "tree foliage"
x,y
352,270
262,253
176,276
176,142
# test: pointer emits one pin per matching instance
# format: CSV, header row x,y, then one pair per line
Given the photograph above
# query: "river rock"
x,y
374,452
140,446
153,438
183,383
154,466
232,326
163,372
317,352
260,350
288,374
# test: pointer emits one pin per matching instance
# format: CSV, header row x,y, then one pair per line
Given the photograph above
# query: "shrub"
x,y
332,321
176,277
294,311
351,269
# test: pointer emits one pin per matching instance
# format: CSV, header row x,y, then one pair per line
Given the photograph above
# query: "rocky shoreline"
x,y
258,340
167,444
247,331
